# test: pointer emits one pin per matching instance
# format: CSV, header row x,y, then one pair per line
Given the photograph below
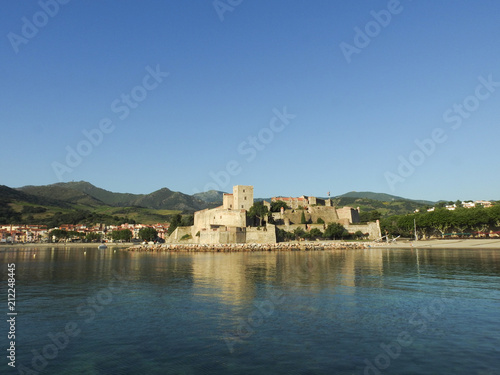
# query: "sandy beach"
x,y
493,243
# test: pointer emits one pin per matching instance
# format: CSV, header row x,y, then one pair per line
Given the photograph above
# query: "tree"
x,y
258,210
303,218
174,223
121,235
300,233
59,234
187,221
276,206
283,235
315,233
334,231
359,235
320,221
366,216
148,234
93,236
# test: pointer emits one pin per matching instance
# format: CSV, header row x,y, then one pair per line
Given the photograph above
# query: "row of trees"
x,y
334,231
440,222
146,234
61,234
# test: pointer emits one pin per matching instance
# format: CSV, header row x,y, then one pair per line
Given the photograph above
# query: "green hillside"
x,y
71,207
105,196
163,199
393,207
211,196
379,197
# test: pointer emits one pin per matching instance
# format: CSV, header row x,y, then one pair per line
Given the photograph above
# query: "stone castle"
x,y
228,223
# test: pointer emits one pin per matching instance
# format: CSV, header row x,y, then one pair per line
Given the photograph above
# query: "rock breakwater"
x,y
249,247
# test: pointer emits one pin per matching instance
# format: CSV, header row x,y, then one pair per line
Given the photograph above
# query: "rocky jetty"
x,y
248,247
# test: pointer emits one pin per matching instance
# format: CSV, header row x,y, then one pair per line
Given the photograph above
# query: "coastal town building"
x,y
469,204
40,233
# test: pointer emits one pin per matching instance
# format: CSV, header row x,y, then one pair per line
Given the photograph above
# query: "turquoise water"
x,y
377,311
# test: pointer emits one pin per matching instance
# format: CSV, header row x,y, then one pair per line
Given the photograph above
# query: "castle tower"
x,y
243,197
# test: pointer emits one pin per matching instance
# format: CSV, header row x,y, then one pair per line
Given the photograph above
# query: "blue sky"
x,y
292,97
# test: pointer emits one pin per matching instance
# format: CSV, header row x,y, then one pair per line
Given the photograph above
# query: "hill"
x,y
211,196
66,195
105,196
171,200
380,197
37,205
393,207
84,193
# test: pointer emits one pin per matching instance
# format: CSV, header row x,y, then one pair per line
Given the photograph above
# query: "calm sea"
x,y
83,311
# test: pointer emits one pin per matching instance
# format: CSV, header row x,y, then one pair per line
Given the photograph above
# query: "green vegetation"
x,y
148,234
258,210
303,218
443,222
174,223
367,216
283,235
121,235
385,209
335,231
186,237
93,237
276,206
18,207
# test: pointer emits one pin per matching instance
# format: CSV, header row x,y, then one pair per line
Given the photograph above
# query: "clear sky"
x,y
293,97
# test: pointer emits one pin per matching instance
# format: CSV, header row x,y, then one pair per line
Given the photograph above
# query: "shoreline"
x,y
470,244
58,244
486,243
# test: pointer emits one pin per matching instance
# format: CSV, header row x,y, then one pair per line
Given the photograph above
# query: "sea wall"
x,y
372,228
281,246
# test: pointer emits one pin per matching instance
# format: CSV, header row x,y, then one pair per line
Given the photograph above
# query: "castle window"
x,y
241,206
245,198
243,190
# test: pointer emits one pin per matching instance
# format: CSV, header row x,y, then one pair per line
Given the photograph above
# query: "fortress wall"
x,y
292,227
177,234
327,213
349,213
219,217
373,229
254,235
222,235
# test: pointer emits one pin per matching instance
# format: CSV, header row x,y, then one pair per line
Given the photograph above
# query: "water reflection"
x,y
335,309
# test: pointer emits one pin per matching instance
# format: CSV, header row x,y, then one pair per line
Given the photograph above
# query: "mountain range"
x,y
52,202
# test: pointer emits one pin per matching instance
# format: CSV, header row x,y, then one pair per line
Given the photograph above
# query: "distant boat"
x,y
102,246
